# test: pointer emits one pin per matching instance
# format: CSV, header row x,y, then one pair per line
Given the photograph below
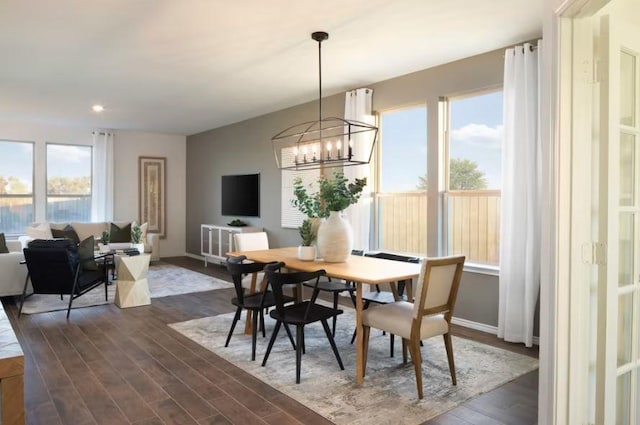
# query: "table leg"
x,y
252,290
359,336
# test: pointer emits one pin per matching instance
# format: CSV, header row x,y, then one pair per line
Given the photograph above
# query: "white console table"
x,y
216,241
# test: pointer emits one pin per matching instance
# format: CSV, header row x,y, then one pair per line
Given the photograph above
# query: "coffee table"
x,y
132,289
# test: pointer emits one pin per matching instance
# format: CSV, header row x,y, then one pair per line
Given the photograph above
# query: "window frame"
x,y
46,177
33,183
444,107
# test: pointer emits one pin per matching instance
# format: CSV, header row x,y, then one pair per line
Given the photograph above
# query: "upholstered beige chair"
x,y
429,315
252,241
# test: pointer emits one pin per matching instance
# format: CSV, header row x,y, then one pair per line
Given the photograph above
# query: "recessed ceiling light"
x,y
97,108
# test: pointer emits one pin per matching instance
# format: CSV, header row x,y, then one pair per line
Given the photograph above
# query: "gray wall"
x,y
245,147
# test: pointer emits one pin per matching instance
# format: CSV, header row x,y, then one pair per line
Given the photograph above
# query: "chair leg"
x,y
233,326
304,348
365,335
449,348
416,357
299,349
24,294
404,351
271,341
254,335
335,318
106,293
327,330
286,328
69,308
264,332
391,338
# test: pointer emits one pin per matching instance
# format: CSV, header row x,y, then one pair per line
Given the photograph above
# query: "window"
x,y
16,186
473,171
68,183
401,195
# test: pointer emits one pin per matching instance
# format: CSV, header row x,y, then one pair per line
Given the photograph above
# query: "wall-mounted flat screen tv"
x,y
241,195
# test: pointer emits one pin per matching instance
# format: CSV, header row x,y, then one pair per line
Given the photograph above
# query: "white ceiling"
x,y
185,66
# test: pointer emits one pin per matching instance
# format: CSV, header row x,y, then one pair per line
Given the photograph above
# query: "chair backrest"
x,y
52,265
237,268
254,241
278,279
438,286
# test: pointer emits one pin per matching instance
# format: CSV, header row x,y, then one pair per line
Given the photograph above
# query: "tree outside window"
x,y
474,177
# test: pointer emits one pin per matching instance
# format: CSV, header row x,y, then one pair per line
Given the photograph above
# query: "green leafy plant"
x,y
335,194
105,237
306,203
136,234
338,193
306,233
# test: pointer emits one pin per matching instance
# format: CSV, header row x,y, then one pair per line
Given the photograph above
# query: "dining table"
x,y
357,269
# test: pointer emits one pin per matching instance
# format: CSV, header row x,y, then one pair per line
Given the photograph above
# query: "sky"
x,y
476,134
16,159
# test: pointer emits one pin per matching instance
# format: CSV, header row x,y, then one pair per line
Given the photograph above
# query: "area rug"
x,y
388,395
164,280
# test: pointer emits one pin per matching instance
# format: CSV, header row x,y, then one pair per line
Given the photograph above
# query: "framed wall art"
x,y
152,193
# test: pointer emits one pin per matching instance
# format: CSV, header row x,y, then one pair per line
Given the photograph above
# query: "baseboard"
x,y
197,257
482,327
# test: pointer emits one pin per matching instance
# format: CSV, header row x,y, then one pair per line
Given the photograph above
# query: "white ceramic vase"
x,y
138,246
306,253
335,238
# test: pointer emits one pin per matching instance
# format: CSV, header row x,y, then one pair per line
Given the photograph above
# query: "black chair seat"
x,y
255,301
329,286
295,314
335,288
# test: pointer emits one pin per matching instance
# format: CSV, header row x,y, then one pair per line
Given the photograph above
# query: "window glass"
x,y
475,146
16,186
474,177
68,183
403,153
401,197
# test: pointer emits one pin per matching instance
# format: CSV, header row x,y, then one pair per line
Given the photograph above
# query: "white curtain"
x,y
103,176
521,184
357,107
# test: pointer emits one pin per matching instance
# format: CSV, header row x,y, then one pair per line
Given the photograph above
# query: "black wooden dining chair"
x,y
255,303
300,314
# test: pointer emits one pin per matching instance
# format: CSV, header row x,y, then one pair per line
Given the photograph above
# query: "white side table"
x,y
132,289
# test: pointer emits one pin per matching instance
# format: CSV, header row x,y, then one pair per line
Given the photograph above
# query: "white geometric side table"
x,y
132,289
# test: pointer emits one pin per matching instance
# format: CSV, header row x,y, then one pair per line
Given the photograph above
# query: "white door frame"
x,y
559,311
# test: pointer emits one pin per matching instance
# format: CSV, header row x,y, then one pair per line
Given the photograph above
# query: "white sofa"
x,y
84,230
12,273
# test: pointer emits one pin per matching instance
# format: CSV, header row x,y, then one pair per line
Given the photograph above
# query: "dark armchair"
x,y
55,267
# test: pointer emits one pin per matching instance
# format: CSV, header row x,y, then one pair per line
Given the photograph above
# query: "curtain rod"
x,y
101,133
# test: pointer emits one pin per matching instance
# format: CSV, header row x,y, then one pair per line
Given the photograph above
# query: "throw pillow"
x,y
85,252
40,231
3,245
120,234
67,233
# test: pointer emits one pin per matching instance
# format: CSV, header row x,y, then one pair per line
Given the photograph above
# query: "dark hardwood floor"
x,y
111,366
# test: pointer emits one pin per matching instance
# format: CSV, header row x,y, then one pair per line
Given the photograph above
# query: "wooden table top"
x,y
356,269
